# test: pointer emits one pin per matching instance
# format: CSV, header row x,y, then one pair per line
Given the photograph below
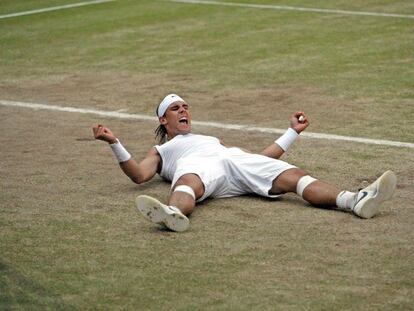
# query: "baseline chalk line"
x,y
239,127
292,8
54,8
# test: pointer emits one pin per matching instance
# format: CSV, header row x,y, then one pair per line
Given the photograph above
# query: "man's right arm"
x,y
277,149
137,172
144,170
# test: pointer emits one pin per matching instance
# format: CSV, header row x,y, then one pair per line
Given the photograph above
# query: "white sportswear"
x,y
166,102
225,172
185,189
121,154
303,183
287,139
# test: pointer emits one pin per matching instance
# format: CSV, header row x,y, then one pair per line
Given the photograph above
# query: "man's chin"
x,y
184,130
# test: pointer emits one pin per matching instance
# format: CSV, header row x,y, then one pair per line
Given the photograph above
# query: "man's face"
x,y
177,119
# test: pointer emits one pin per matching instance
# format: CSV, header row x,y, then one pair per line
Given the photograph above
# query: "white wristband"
x,y
121,154
287,139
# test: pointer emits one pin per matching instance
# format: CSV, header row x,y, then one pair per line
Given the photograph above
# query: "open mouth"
x,y
183,120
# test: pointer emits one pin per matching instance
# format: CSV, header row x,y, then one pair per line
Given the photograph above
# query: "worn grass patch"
x,y
71,237
351,74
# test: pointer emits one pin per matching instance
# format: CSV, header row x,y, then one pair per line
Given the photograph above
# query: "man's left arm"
x,y
281,145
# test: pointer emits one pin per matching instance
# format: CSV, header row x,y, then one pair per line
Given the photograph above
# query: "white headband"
x,y
166,102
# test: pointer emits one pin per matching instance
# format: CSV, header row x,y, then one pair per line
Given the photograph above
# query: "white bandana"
x,y
166,102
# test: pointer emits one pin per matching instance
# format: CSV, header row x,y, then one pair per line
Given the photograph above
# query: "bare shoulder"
x,y
154,157
153,152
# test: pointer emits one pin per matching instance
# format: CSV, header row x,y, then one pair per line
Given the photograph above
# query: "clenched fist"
x,y
103,133
299,125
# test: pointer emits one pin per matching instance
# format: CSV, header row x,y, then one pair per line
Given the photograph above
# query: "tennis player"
x,y
200,167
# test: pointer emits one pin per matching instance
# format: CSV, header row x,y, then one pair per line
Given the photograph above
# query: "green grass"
x,y
70,238
262,47
10,6
350,55
366,61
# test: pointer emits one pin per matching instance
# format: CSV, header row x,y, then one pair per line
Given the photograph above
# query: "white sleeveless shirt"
x,y
224,171
182,146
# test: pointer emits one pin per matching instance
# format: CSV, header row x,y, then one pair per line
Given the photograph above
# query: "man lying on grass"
x,y
200,166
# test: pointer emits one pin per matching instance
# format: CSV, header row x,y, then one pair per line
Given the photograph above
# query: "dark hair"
x,y
161,134
160,131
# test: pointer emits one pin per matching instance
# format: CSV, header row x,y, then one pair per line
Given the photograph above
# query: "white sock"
x,y
346,199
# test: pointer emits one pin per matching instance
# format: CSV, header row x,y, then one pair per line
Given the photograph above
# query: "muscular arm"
x,y
137,172
144,170
274,150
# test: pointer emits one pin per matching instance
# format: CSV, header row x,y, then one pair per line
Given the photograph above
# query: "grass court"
x,y
70,237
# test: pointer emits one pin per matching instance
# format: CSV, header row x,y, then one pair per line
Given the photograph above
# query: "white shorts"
x,y
234,174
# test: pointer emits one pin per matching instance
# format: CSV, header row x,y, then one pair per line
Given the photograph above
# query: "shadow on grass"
x,y
19,292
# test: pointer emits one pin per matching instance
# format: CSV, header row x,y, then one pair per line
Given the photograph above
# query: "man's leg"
x,y
364,203
317,193
186,191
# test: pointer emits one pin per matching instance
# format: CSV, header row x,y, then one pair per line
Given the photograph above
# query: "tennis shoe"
x,y
369,199
169,216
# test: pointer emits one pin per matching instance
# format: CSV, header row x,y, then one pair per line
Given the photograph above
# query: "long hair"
x,y
161,134
160,131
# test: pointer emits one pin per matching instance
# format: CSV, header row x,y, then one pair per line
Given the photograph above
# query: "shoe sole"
x,y
385,185
156,212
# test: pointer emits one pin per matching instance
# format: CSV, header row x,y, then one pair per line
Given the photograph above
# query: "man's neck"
x,y
171,136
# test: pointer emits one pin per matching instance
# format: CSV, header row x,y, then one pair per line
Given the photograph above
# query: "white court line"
x,y
292,8
239,127
54,8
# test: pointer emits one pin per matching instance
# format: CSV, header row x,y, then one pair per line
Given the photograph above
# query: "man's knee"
x,y
193,181
287,181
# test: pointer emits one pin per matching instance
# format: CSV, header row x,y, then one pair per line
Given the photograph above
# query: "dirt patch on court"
x,y
269,106
101,90
67,209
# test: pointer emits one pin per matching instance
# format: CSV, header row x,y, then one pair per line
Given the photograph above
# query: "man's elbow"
x,y
137,179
